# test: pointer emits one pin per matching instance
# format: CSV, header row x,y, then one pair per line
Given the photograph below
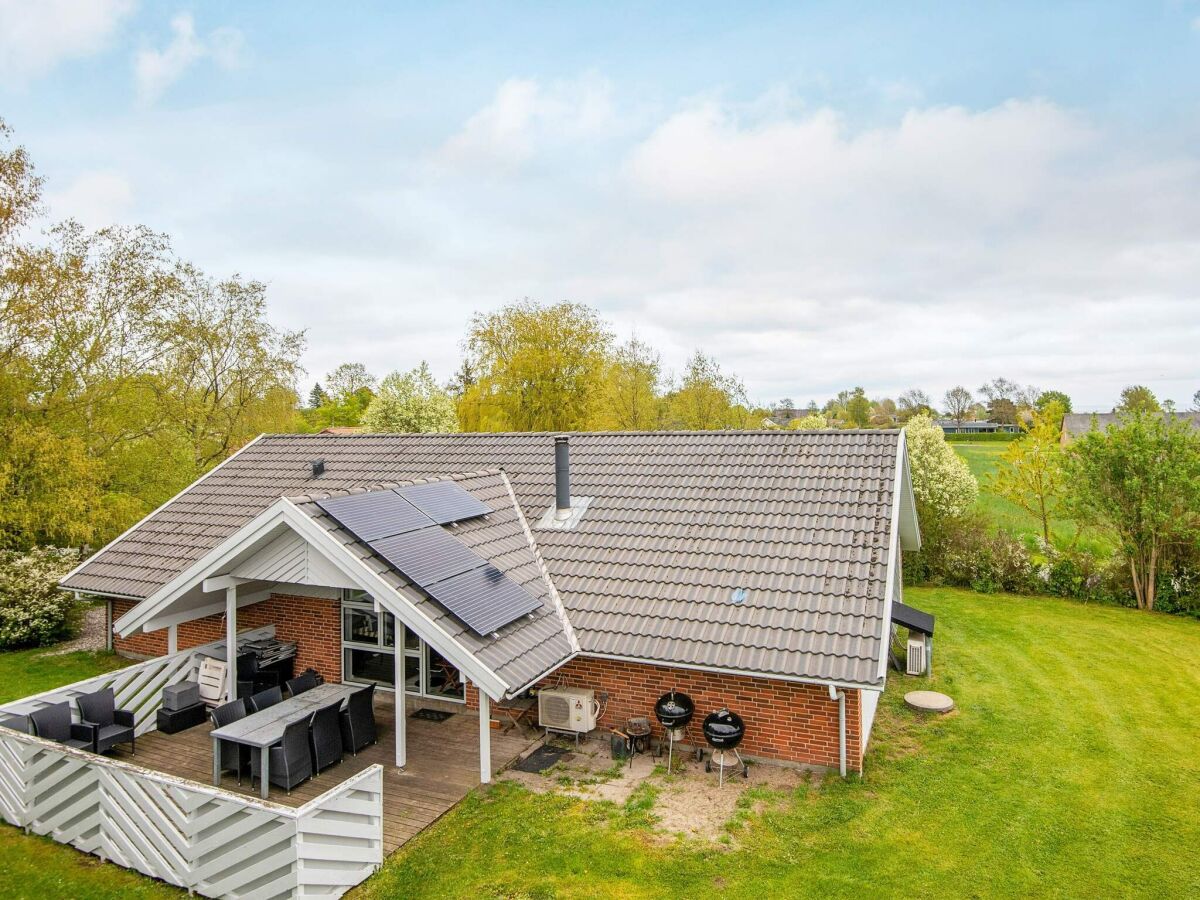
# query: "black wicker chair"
x,y
358,720
265,699
234,757
54,723
290,760
325,737
113,726
305,681
248,670
17,723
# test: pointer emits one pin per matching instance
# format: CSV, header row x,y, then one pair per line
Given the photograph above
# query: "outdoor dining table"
x,y
264,728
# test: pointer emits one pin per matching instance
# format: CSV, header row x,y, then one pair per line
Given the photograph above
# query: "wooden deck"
x,y
443,766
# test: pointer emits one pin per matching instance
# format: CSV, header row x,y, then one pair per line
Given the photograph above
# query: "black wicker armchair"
x,y
113,726
290,761
325,737
265,699
234,757
54,723
358,720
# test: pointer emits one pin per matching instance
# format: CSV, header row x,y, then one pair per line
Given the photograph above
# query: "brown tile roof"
x,y
801,520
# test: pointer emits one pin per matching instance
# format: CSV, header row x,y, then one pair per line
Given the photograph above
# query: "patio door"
x,y
369,653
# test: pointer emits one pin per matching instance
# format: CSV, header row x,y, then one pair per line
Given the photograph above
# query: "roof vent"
x,y
562,477
318,468
739,595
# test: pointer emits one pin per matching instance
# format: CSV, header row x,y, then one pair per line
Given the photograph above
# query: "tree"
x,y
411,402
958,402
1045,398
20,188
633,388
858,408
883,412
1140,481
348,382
811,422
1138,398
911,402
706,398
1031,470
538,368
1196,401
1002,410
317,396
942,482
1000,389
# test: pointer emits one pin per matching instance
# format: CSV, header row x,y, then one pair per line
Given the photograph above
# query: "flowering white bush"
x,y
941,479
34,611
811,422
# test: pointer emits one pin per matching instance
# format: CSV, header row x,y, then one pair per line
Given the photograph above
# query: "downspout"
x,y
840,697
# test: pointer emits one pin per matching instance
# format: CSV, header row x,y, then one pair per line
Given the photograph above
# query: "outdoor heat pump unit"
x,y
918,659
574,710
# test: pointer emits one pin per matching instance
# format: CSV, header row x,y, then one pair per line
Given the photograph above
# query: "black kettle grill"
x,y
724,730
674,710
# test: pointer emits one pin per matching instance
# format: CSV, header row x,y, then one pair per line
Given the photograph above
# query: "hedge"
x,y
1001,437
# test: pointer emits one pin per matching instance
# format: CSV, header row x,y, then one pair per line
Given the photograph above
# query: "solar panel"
x,y
444,501
427,555
484,598
377,514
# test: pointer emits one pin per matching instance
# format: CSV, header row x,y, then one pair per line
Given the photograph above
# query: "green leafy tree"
x,y
858,409
942,482
537,367
1138,398
911,403
1045,398
810,422
1140,481
633,388
1002,410
411,402
706,398
1031,470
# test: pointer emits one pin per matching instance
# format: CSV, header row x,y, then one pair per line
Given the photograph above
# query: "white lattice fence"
x,y
340,836
187,834
138,687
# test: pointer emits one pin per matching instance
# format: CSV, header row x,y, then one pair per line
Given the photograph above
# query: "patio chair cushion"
x,y
326,737
265,699
54,723
290,759
16,723
358,720
113,726
212,681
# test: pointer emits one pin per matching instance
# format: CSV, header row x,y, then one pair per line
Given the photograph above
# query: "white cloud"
x,y
37,36
157,70
525,117
96,199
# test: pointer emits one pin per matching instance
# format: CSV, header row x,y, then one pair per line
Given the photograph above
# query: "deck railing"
x,y
207,840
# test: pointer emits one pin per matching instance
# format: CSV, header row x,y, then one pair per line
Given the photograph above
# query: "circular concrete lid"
x,y
929,701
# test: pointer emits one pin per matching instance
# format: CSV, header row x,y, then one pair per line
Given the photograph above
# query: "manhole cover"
x,y
928,701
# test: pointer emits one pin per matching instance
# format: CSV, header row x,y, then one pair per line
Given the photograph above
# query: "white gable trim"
x,y
894,550
284,512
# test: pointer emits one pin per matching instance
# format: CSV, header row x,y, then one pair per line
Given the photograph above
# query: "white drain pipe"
x,y
840,697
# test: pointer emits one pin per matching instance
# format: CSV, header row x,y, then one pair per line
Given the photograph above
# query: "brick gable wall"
x,y
314,623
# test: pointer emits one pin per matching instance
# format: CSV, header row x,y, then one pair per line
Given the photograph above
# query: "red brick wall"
x,y
314,623
784,720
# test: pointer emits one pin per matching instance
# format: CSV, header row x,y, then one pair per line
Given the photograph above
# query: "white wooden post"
x,y
172,640
485,737
231,643
401,712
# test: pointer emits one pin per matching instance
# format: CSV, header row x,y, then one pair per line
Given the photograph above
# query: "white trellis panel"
x,y
340,836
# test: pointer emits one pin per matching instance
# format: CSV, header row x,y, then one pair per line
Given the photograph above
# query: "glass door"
x,y
369,654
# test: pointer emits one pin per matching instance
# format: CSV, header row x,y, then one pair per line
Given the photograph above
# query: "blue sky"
x,y
821,195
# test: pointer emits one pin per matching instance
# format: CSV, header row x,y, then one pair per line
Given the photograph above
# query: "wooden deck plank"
x,y
443,766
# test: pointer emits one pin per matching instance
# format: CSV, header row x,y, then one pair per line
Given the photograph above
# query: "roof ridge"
x,y
643,433
313,497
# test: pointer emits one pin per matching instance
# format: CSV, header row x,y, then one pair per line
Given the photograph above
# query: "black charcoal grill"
x,y
724,730
674,710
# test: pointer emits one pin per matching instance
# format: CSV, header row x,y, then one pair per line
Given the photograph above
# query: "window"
x,y
369,653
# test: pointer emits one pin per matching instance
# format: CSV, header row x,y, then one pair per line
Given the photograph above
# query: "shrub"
x,y
941,480
34,611
988,437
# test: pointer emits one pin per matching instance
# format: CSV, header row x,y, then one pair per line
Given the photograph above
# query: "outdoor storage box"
x,y
181,696
172,721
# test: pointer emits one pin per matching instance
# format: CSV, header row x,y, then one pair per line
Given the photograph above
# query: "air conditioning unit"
x,y
917,661
568,709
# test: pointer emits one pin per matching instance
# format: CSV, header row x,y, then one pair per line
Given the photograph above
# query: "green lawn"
x,y
984,459
1070,769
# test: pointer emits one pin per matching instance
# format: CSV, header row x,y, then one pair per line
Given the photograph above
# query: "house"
x,y
951,426
1075,424
754,571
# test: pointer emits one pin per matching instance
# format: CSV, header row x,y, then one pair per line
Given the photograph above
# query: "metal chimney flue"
x,y
562,477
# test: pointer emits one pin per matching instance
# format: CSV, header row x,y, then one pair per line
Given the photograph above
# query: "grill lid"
x,y
723,729
674,709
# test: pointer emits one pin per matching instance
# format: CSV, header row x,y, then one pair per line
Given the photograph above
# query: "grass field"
x,y
984,459
1069,770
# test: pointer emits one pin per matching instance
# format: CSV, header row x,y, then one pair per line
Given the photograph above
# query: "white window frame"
x,y
353,599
